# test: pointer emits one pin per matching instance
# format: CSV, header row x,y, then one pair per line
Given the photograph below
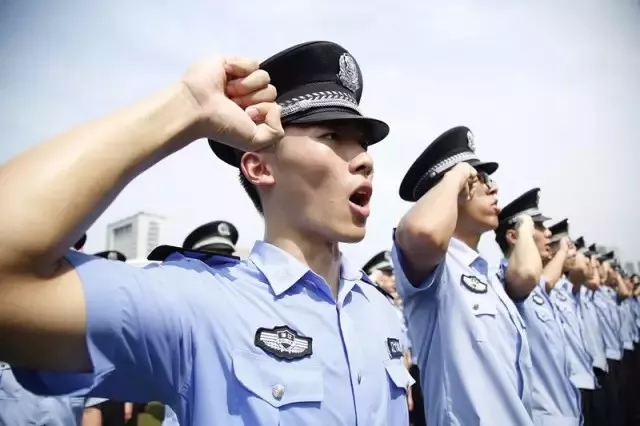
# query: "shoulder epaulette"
x,y
163,252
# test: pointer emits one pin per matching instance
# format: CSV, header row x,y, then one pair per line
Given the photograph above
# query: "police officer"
x,y
555,399
219,237
592,332
472,350
564,295
293,335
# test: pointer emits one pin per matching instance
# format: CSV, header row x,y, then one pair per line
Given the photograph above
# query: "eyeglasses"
x,y
485,178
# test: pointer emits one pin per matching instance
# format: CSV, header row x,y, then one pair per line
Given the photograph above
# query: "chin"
x,y
350,233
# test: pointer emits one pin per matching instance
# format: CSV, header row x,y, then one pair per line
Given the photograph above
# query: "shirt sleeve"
x,y
138,331
405,288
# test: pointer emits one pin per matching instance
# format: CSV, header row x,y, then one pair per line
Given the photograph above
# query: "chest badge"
x,y
474,284
283,342
394,348
537,299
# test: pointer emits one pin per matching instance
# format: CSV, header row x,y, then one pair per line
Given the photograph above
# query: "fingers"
x,y
257,80
266,95
270,129
239,67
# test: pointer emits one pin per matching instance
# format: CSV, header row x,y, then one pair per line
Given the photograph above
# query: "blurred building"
x,y
137,235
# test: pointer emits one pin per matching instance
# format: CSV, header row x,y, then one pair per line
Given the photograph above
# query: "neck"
x,y
469,238
321,256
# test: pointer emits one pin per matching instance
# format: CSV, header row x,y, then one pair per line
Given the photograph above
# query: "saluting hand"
x,y
237,103
468,177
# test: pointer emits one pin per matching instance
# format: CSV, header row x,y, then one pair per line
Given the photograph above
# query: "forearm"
x,y
525,265
53,192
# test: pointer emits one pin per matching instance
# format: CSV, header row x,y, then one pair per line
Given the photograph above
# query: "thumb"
x,y
270,130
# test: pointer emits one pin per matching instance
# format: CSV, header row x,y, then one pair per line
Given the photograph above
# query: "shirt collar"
x,y
282,270
467,255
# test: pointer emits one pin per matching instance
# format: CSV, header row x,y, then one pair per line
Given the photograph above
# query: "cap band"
x,y
325,99
213,240
559,236
533,211
442,166
382,265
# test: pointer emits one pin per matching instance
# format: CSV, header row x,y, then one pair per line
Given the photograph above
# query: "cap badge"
x,y
387,256
537,199
223,230
470,141
348,74
112,255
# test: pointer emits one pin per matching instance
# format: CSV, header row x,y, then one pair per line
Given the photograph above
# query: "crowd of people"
x,y
295,334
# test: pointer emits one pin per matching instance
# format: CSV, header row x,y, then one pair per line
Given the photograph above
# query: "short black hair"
x,y
501,238
251,191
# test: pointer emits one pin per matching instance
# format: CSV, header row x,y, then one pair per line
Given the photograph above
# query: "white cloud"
x,y
551,91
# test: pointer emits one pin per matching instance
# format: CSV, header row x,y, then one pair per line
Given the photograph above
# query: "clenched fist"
x,y
236,103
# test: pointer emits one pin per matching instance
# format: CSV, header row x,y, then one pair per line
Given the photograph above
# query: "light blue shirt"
x,y
593,336
626,324
580,362
606,307
470,343
257,342
19,407
170,418
556,401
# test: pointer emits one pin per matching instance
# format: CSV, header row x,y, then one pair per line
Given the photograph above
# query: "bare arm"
x,y
65,184
525,265
553,270
92,416
423,233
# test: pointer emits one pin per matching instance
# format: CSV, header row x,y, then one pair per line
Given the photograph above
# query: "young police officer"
x,y
470,340
555,400
294,335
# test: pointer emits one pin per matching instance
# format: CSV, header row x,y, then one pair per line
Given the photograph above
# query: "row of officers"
x,y
295,334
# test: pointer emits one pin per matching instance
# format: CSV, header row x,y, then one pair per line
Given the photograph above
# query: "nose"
x,y
361,164
492,188
547,233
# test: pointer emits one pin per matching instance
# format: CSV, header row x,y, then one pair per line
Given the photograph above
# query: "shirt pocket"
x,y
543,315
399,377
484,310
267,385
9,386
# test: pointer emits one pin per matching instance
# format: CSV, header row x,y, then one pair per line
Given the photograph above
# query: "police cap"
x,y
580,244
112,255
381,261
527,203
219,236
454,146
559,230
317,81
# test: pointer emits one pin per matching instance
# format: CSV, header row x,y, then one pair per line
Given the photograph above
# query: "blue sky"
x,y
550,89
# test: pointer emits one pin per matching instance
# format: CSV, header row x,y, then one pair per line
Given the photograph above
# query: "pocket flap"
x,y
398,374
279,382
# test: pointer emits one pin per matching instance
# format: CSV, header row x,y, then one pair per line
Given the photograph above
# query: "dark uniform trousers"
x,y
599,399
611,388
417,416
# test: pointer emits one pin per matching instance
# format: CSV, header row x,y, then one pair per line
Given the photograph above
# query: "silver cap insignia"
x,y
470,141
348,74
223,229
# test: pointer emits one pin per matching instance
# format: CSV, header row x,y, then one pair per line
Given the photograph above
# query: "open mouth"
x,y
360,199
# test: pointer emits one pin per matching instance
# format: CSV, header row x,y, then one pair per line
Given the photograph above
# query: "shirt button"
x,y
359,378
475,307
278,392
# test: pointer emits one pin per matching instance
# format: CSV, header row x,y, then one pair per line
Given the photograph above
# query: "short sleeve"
x,y
405,288
138,331
92,402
